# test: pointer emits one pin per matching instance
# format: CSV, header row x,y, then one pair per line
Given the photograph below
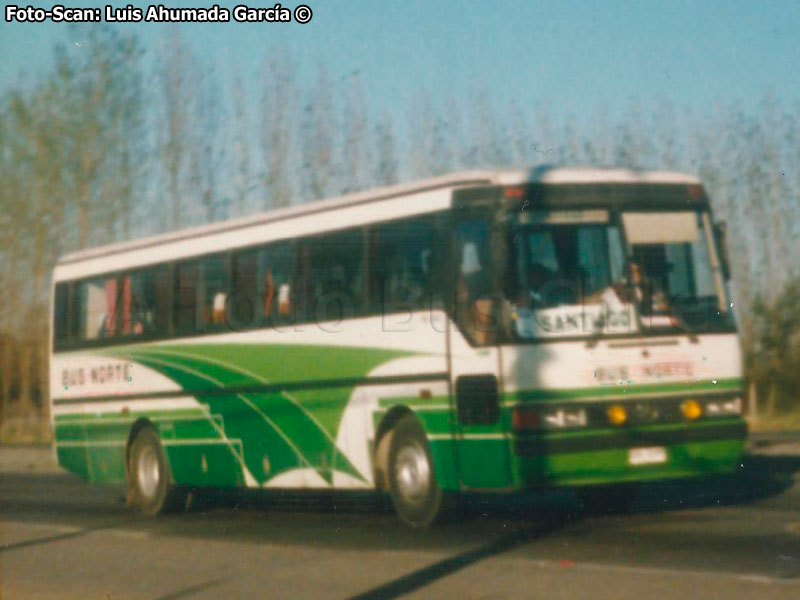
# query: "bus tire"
x,y
416,496
150,487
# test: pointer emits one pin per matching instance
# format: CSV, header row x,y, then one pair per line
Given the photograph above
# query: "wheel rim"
x,y
148,472
412,473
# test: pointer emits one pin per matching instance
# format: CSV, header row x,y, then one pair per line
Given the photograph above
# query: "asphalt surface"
x,y
735,538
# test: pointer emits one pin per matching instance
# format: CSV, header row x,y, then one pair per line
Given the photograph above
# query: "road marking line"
x,y
127,533
71,529
593,566
37,527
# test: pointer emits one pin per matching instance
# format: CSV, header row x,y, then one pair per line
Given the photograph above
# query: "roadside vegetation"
x,y
114,143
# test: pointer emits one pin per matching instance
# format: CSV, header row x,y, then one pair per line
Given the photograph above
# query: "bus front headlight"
x,y
549,418
724,408
564,417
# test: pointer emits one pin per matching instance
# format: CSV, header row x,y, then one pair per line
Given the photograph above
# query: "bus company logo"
x,y
671,368
612,374
109,373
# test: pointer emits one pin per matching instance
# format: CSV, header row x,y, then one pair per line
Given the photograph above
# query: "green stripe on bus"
x,y
293,430
689,387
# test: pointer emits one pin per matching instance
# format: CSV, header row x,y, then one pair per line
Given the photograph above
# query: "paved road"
x,y
738,538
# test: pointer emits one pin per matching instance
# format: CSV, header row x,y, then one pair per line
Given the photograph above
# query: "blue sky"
x,y
573,54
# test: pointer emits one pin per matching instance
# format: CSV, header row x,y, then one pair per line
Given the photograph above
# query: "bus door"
x,y
482,443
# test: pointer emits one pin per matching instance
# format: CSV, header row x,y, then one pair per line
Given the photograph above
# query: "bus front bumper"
x,y
623,454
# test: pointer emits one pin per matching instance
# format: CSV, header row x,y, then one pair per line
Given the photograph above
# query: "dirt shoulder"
x,y
27,458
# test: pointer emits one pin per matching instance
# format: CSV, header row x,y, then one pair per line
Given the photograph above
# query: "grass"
x,y
25,430
789,421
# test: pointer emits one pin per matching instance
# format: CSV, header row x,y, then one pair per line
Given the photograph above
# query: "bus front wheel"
x,y
416,495
150,488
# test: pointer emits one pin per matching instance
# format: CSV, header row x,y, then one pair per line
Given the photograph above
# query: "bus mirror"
x,y
721,233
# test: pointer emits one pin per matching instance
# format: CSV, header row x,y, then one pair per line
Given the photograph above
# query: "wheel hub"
x,y
148,473
413,473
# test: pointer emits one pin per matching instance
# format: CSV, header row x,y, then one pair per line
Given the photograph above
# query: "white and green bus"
x,y
495,331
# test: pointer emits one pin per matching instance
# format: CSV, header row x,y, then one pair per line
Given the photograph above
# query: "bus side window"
x,y
144,303
244,307
402,267
473,281
335,282
95,309
187,282
215,291
61,315
279,283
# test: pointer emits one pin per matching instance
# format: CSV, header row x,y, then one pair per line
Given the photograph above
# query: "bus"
x,y
480,332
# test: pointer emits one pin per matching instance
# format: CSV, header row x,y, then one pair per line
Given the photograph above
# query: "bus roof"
x,y
544,174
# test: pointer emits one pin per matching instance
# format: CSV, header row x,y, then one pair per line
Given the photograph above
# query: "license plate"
x,y
647,456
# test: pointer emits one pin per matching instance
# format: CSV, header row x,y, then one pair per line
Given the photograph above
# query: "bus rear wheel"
x,y
150,487
416,495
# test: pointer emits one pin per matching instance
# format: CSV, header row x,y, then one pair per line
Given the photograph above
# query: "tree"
x,y
97,95
241,146
422,118
317,137
68,172
774,361
354,166
177,100
132,167
487,138
277,113
385,152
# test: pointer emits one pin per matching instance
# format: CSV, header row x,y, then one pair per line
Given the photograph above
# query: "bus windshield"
x,y
567,267
672,271
571,273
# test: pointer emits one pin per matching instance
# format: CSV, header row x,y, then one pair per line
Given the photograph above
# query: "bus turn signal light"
x,y
617,415
691,409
